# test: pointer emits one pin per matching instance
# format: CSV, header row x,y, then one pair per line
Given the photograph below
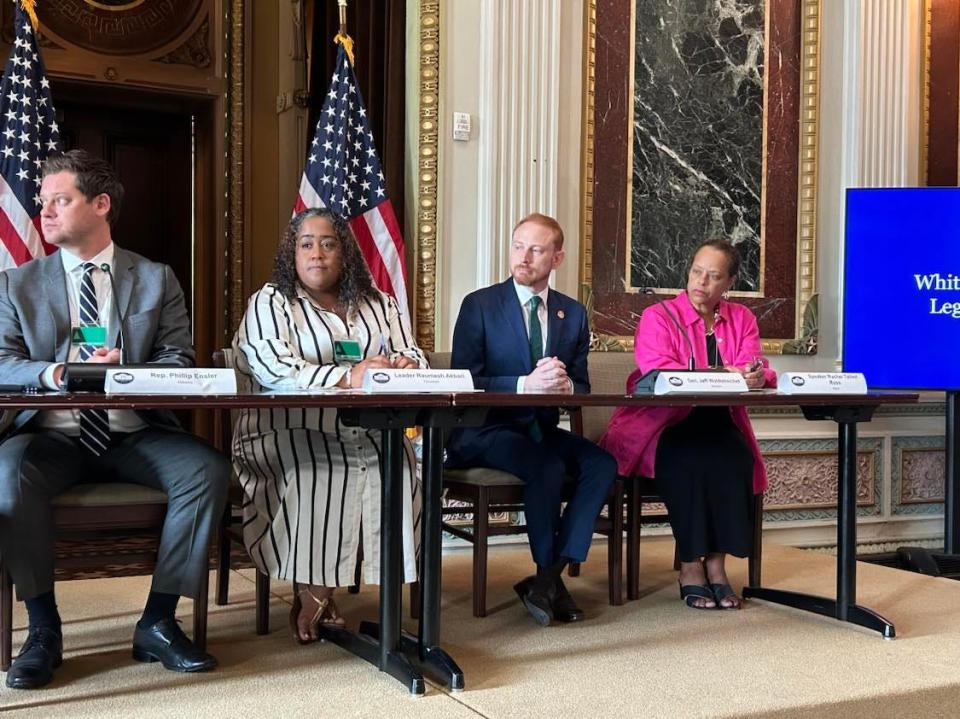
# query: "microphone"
x,y
691,362
105,267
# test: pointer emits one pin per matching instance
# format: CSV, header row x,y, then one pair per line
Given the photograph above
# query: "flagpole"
x,y
342,36
29,6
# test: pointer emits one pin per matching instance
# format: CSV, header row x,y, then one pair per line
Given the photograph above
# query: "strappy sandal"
x,y
690,593
725,591
327,613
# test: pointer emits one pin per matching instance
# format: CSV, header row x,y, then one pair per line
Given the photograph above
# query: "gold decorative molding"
x,y
807,479
194,52
586,139
925,89
234,150
808,121
425,280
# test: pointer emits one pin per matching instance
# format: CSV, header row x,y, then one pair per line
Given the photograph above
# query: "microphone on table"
x,y
105,267
691,362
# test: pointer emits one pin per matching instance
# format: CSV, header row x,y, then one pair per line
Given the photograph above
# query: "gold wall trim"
x,y
807,170
809,121
234,149
586,140
425,279
925,89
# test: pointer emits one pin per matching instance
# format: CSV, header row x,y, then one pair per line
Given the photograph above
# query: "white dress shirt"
x,y
68,420
525,294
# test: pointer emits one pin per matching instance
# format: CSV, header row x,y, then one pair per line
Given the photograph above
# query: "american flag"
x,y
29,134
343,172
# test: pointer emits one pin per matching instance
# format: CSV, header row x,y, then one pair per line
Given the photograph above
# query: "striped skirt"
x,y
311,499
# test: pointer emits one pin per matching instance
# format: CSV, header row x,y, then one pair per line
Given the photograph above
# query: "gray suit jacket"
x,y
35,322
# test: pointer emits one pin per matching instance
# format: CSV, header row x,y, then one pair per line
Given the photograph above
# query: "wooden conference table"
x,y
408,658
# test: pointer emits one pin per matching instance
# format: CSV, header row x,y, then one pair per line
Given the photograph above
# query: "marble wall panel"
x,y
697,136
702,146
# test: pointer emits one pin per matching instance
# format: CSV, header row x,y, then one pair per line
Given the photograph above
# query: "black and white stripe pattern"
x,y
311,482
94,423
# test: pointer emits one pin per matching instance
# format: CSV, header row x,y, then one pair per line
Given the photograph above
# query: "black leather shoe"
x,y
536,599
564,608
164,642
39,656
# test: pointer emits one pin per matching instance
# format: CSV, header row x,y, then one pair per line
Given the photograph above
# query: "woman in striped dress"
x,y
310,481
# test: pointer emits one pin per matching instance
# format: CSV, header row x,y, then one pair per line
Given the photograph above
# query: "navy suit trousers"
x,y
545,467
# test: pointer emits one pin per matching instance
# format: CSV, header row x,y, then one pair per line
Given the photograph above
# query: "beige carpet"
x,y
649,658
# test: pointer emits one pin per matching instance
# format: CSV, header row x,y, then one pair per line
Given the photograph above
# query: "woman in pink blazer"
x,y
705,460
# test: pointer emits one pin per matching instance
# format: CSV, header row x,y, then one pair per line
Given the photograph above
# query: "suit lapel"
x,y
554,322
124,278
55,287
513,315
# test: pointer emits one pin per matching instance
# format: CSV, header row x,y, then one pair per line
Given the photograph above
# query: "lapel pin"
x,y
560,314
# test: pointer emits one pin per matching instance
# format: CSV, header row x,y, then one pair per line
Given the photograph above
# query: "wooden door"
x,y
152,152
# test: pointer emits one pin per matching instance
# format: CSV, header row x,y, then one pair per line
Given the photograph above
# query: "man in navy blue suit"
x,y
521,336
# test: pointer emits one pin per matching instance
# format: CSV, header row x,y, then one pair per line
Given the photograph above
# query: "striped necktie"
x,y
94,423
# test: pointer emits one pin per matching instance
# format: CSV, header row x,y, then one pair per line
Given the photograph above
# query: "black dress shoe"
x,y
39,656
564,608
536,598
164,642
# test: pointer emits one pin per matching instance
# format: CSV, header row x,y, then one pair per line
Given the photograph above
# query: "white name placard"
x,y
417,380
822,383
169,380
699,383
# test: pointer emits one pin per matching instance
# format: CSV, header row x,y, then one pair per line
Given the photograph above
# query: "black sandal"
x,y
725,591
690,593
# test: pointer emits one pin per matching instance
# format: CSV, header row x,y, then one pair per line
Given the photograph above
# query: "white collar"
x,y
71,262
524,293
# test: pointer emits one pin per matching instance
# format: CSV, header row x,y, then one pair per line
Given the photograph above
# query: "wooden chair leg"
x,y
756,550
573,569
634,508
481,524
223,559
200,617
615,545
6,619
263,603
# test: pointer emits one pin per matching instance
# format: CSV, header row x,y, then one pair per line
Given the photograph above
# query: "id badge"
x,y
94,335
347,350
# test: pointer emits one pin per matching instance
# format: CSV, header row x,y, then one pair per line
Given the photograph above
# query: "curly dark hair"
x,y
355,281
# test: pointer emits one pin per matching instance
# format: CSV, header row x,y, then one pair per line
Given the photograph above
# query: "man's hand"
x,y
101,355
404,362
549,376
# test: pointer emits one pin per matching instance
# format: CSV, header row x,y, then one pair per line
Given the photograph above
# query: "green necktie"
x,y
536,354
536,335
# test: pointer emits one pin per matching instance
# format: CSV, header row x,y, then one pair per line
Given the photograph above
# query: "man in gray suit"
x,y
62,308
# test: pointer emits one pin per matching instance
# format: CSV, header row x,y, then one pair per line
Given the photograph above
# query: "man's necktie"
x,y
536,354
94,423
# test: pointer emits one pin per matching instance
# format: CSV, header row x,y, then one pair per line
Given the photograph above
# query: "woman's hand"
x,y
356,372
753,374
404,362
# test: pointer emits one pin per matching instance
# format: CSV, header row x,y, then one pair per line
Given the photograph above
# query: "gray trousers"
x,y
35,466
